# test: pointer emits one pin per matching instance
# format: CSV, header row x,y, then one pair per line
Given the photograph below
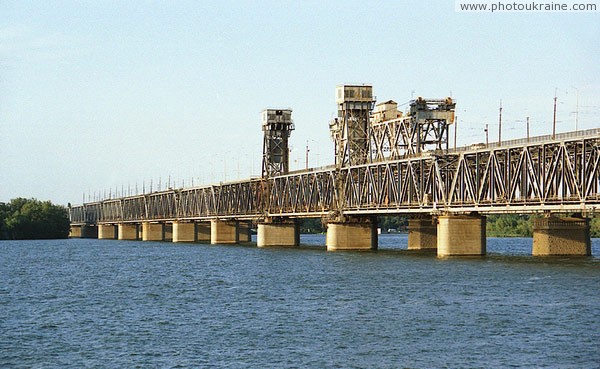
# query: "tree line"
x,y
516,225
33,219
22,219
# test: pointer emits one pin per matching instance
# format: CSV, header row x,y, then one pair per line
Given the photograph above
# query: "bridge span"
x,y
386,163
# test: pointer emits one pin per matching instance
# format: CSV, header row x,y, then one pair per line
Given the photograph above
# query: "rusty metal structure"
x,y
544,174
394,135
395,164
277,126
350,131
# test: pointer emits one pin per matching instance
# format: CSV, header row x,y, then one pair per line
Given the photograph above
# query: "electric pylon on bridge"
x,y
277,126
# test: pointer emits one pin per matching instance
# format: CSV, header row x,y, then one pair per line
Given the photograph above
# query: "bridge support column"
x,y
244,232
83,231
285,233
184,232
107,232
354,234
223,231
75,231
153,231
127,231
422,233
203,231
89,231
555,236
461,235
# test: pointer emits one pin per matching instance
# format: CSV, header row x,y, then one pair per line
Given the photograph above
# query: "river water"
x,y
100,303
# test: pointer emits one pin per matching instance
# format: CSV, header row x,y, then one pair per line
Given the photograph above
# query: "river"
x,y
124,304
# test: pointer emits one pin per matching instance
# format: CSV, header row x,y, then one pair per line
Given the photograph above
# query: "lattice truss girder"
x,y
275,153
398,138
350,133
535,175
313,192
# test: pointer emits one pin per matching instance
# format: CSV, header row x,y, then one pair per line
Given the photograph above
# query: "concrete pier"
x,y
553,236
223,231
75,231
352,235
278,234
153,231
83,231
127,231
107,232
184,232
422,233
461,235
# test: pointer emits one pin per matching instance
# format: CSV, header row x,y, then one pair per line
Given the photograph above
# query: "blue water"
x,y
100,303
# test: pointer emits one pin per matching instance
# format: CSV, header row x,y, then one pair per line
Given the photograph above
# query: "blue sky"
x,y
98,95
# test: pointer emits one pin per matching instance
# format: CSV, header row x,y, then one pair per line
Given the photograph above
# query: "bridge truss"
x,y
524,176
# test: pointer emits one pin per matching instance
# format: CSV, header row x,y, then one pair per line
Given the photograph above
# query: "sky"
x,y
104,96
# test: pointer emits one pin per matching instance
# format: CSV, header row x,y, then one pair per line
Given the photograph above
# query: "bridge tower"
x,y
351,135
277,126
350,130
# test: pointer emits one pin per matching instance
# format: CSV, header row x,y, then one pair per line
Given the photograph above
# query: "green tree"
x,y
33,219
399,223
595,227
509,225
311,225
5,211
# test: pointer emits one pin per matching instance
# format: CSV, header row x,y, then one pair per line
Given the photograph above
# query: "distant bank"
x,y
34,219
497,225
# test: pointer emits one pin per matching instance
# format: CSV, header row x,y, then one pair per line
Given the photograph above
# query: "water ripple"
x,y
90,303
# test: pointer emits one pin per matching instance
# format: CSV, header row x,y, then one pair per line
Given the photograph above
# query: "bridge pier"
x,y
461,235
278,233
153,231
422,233
184,232
553,236
75,231
223,231
128,231
353,234
107,232
83,231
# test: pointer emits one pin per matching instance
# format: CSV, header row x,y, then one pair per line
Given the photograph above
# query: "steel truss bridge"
x,y
541,174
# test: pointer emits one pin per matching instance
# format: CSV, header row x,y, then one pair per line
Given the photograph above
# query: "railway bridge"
x,y
387,162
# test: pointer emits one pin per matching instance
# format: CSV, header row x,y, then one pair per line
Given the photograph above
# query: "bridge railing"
x,y
531,140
